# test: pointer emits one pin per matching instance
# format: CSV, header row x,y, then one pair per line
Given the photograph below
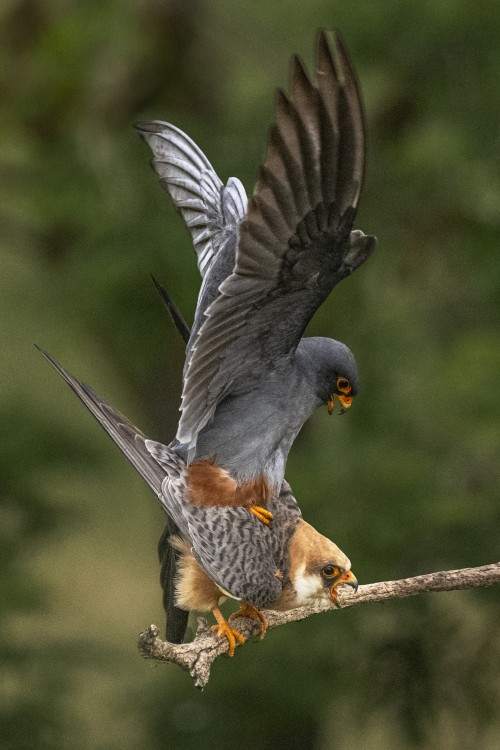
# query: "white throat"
x,y
309,588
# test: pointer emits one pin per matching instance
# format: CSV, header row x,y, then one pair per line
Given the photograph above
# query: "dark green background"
x,y
406,483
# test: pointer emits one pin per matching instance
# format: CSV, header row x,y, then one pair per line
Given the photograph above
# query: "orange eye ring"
x,y
331,571
343,385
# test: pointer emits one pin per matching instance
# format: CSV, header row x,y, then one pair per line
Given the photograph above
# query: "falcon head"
x,y
333,368
316,567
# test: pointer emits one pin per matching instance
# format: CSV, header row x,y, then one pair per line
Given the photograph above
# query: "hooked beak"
x,y
348,579
346,402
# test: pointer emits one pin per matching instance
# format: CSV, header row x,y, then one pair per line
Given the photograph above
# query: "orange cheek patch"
x,y
210,485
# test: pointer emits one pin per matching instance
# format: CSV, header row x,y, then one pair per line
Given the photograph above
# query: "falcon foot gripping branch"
x,y
251,380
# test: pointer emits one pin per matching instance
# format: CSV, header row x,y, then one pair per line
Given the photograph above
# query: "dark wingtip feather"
x,y
322,40
281,101
324,53
174,313
298,72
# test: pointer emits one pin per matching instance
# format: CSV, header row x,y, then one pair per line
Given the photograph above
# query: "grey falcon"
x,y
226,552
251,379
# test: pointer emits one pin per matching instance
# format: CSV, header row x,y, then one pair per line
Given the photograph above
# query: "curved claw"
x,y
248,610
224,630
261,513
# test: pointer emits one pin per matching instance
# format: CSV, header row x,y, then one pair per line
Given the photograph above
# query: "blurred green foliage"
x,y
407,483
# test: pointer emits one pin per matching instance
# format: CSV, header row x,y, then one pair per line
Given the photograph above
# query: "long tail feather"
x,y
130,441
127,437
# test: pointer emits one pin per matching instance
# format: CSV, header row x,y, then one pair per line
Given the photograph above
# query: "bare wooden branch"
x,y
197,657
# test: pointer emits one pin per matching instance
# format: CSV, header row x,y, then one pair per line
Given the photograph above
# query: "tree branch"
x,y
197,657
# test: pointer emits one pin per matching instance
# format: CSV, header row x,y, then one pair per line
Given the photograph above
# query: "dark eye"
x,y
330,571
343,385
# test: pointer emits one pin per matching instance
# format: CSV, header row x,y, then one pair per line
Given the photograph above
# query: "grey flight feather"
x,y
295,243
210,210
235,549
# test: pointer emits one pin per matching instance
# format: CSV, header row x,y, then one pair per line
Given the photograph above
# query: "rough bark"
x,y
197,657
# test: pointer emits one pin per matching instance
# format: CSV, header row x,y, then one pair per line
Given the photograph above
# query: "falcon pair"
x,y
250,378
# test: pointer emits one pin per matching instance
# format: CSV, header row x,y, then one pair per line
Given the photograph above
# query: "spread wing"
x,y
295,243
211,211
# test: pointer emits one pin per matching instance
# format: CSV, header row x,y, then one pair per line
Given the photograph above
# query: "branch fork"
x,y
198,656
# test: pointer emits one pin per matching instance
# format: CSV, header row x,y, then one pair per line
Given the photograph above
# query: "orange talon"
x,y
224,630
261,513
248,610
